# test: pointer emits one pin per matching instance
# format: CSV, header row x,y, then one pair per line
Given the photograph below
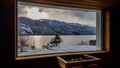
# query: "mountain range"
x,y
27,26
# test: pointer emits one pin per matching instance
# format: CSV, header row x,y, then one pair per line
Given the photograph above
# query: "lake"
x,y
67,40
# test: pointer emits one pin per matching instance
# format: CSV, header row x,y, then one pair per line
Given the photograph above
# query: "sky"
x,y
66,15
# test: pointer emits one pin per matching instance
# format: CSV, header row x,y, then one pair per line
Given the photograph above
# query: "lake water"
x,y
67,40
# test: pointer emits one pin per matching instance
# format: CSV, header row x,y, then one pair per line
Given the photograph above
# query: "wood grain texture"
x,y
92,62
92,4
107,31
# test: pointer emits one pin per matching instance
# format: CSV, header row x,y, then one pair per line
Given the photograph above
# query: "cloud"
x,y
23,10
83,17
87,18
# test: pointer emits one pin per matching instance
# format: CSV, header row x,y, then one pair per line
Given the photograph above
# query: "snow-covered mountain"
x,y
50,27
23,29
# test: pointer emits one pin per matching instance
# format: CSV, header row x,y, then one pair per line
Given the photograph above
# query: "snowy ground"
x,y
60,49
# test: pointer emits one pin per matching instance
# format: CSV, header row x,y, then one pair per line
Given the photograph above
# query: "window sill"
x,y
60,54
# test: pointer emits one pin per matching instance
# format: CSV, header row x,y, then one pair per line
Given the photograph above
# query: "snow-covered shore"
x,y
60,49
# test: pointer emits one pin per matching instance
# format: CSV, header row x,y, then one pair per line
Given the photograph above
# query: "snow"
x,y
57,49
23,28
75,48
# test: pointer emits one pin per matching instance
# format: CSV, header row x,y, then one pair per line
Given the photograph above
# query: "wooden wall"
x,y
94,4
115,36
7,57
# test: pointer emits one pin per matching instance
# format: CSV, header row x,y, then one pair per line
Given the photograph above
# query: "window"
x,y
46,29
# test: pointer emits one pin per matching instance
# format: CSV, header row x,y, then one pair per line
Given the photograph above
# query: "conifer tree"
x,y
57,40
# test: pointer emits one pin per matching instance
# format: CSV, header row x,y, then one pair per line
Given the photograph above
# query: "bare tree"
x,y
22,41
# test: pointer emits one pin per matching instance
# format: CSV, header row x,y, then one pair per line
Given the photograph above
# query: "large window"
x,y
46,29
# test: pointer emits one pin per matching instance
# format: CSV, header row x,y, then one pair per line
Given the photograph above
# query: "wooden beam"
x,y
76,3
107,31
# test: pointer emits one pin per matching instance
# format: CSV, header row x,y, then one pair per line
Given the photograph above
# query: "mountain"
x,y
50,27
23,29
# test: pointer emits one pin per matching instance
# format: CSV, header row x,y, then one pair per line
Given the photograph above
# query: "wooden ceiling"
x,y
92,4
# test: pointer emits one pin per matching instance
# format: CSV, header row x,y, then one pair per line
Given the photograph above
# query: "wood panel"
x,y
93,66
87,62
107,31
92,4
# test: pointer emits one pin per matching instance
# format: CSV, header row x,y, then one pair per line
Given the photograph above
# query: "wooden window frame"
x,y
106,28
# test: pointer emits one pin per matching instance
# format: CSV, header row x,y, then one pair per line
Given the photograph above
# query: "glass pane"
x,y
45,29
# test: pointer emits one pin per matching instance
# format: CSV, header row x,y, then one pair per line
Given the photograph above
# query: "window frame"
x,y
105,35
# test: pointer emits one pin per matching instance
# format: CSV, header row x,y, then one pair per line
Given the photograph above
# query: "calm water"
x,y
38,41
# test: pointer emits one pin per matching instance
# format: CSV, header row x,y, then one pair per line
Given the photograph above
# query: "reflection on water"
x,y
38,41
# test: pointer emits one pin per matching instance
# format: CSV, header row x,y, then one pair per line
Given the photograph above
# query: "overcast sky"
x,y
73,16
